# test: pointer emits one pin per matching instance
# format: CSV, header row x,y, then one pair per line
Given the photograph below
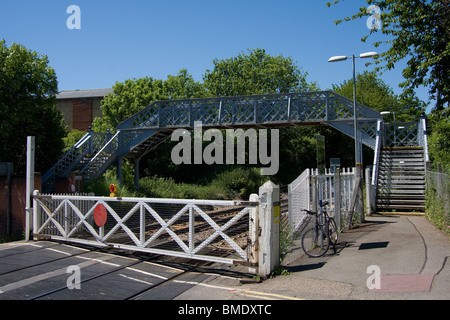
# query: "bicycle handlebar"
x,y
313,212
324,204
309,212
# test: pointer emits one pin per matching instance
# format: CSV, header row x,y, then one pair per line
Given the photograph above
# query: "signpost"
x,y
320,147
335,163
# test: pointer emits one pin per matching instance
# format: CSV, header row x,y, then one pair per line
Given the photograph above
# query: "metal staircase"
x,y
143,131
401,182
74,159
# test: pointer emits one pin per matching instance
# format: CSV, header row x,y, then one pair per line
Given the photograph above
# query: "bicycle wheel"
x,y
332,231
315,242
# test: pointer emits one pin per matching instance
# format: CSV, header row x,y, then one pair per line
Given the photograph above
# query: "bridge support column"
x,y
136,173
269,222
119,170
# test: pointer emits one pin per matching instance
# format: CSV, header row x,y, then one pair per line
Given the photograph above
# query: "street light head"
x,y
337,58
368,55
385,112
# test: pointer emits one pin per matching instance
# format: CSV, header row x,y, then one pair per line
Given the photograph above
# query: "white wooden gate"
x,y
209,230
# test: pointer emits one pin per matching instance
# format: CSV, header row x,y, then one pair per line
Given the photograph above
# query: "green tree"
x,y
376,94
255,73
131,96
258,72
418,31
27,108
72,138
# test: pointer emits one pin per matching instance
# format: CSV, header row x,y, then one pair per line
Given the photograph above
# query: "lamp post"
x,y
355,117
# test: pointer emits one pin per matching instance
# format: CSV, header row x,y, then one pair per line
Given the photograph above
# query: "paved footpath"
x,y
408,253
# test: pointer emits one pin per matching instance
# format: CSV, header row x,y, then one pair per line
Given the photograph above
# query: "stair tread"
x,y
405,188
401,156
400,149
406,162
401,196
402,172
406,208
401,193
402,165
398,204
402,181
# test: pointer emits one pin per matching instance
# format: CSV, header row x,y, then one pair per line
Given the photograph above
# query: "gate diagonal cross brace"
x,y
166,226
50,217
220,231
121,222
82,220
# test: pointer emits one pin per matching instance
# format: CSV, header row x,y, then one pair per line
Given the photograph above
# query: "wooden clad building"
x,y
80,107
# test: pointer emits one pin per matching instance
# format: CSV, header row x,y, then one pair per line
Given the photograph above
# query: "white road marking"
x,y
134,279
28,281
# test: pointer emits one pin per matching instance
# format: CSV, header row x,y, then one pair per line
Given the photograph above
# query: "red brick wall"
x,y
18,203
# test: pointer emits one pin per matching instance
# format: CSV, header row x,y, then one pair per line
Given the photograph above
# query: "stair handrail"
x,y
71,151
368,112
423,137
100,152
376,158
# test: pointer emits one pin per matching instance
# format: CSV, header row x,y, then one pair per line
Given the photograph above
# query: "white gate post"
x,y
29,185
269,221
254,235
36,219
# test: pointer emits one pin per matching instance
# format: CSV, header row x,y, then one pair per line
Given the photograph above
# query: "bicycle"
x,y
317,240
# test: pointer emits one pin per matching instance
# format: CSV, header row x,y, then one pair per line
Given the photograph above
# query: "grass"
x,y
236,183
435,211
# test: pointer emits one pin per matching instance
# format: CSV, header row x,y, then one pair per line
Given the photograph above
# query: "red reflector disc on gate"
x,y
100,215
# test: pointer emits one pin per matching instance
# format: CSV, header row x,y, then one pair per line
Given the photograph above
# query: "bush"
x,y
437,201
158,187
235,183
100,187
240,182
439,144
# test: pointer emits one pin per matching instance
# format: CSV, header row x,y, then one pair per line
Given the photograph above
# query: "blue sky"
x,y
120,40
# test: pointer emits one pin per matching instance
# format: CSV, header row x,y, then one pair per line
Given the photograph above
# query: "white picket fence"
x,y
303,190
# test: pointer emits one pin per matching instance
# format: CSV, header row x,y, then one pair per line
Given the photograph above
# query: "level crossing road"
x,y
48,270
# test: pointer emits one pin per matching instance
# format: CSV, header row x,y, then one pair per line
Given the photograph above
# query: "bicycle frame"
x,y
322,224
322,218
322,231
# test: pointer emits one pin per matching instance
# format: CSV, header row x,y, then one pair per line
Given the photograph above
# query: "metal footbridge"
x,y
142,132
